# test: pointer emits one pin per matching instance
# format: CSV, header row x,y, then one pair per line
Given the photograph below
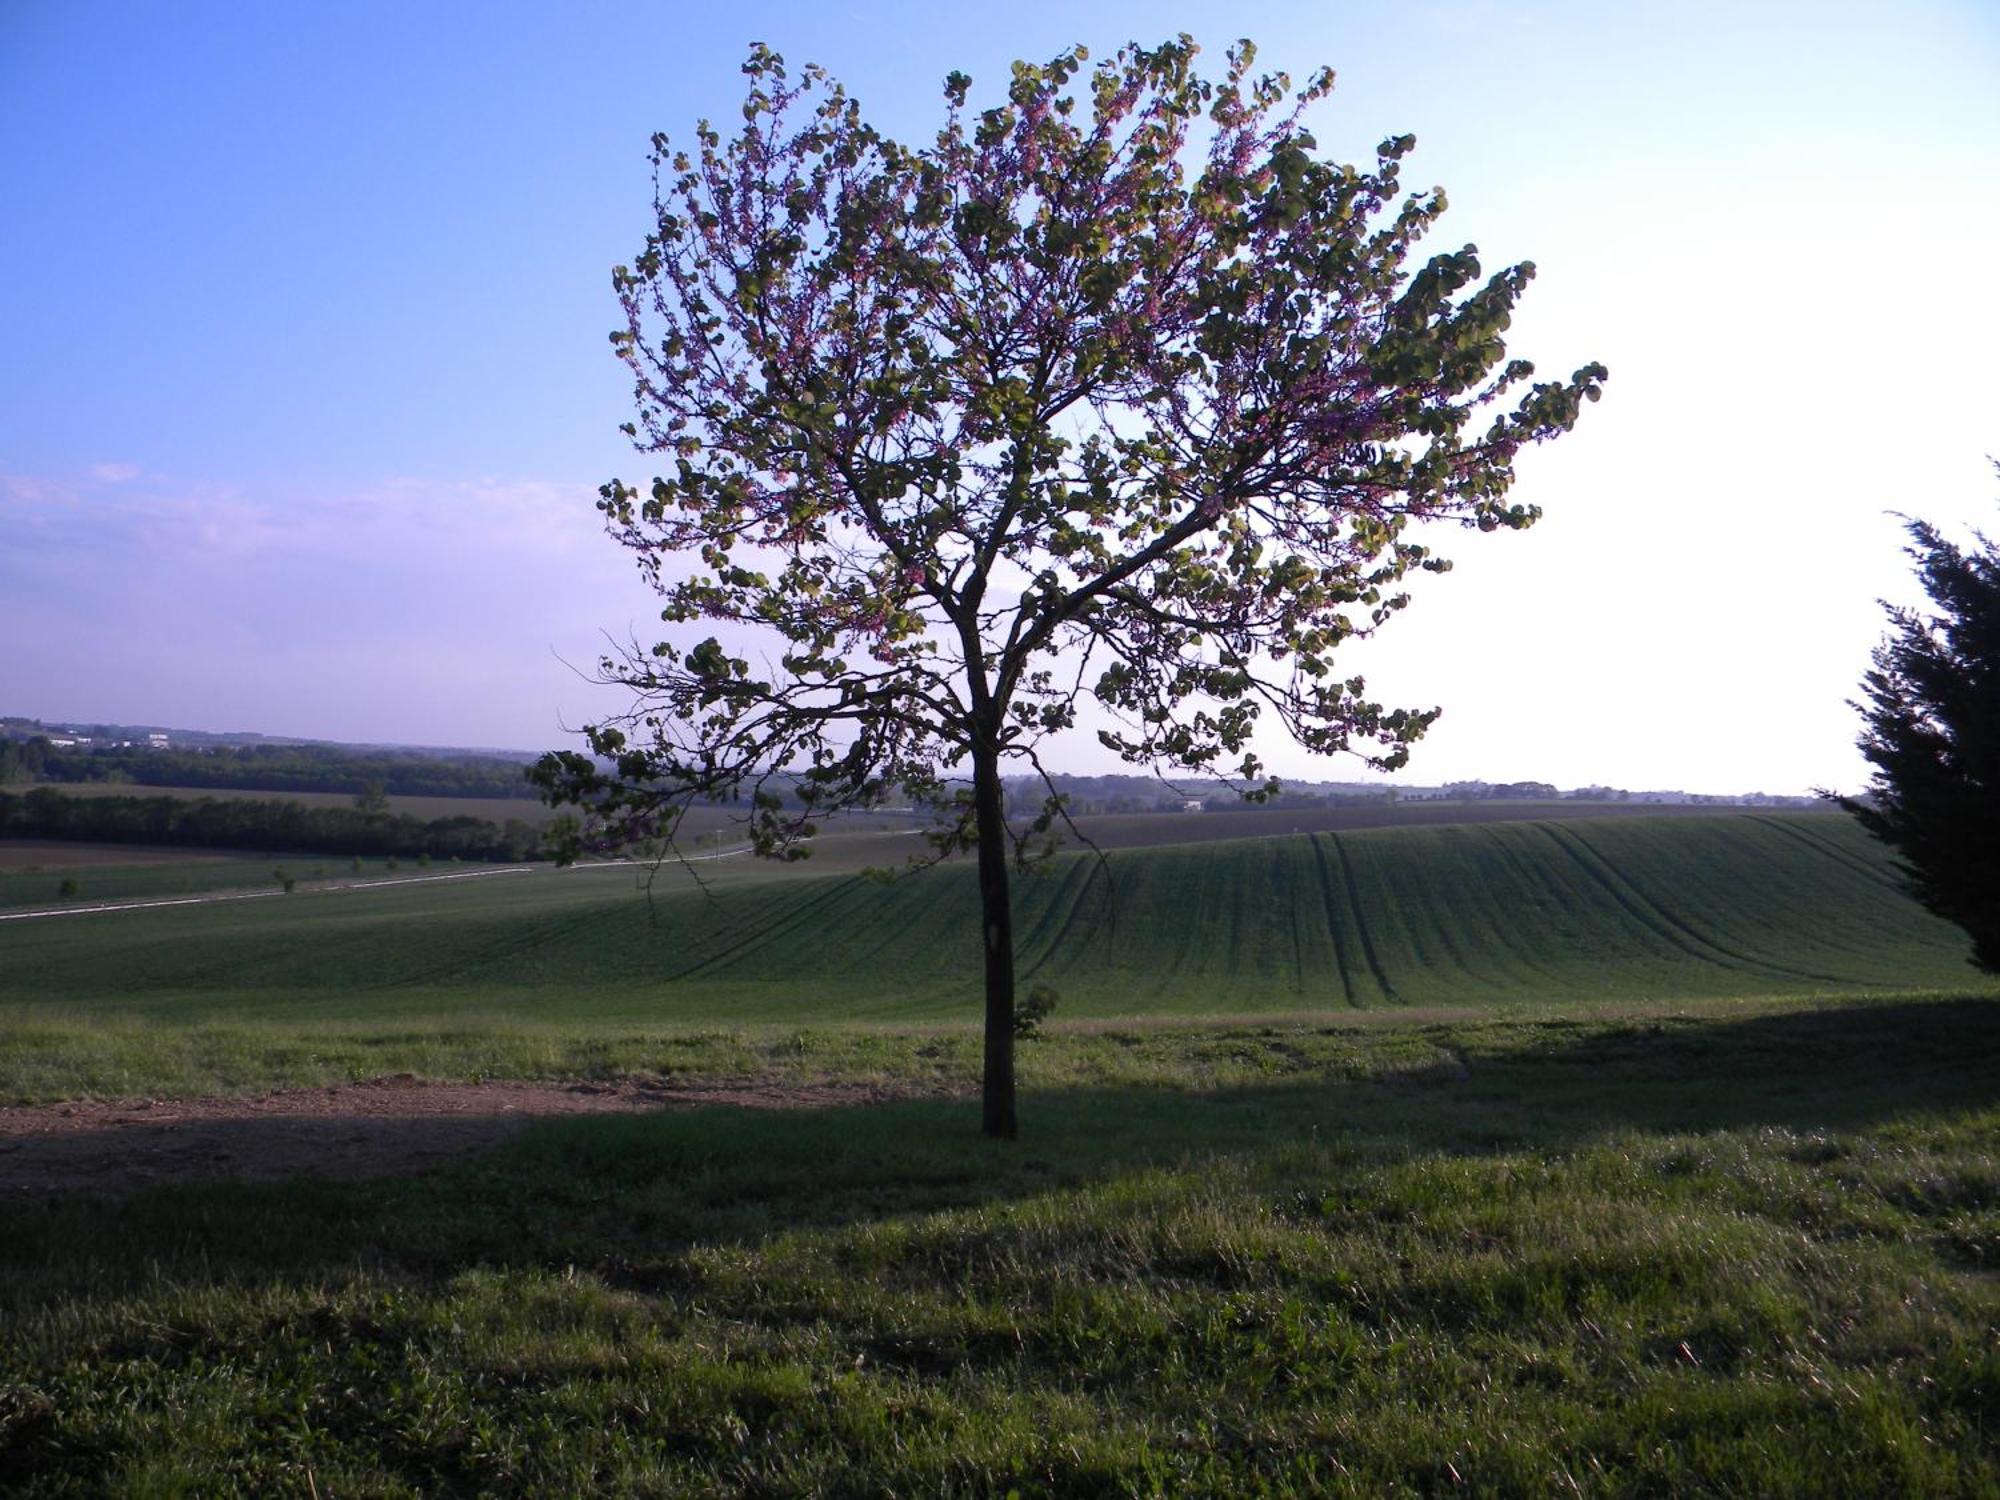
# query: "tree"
x,y
1931,729
1062,405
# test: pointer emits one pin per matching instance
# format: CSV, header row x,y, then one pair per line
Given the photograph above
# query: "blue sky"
x,y
306,394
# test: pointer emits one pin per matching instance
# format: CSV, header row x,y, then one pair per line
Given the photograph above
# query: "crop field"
x,y
1145,830
114,873
1533,912
700,820
1108,830
31,856
498,809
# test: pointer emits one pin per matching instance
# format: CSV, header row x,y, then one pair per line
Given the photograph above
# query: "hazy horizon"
x,y
1328,776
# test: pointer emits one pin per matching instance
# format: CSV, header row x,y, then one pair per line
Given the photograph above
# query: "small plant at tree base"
x,y
390,864
69,890
423,861
1039,1005
1932,731
1127,397
354,864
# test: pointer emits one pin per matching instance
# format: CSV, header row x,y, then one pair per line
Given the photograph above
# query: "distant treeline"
x,y
1516,791
269,768
1143,794
254,823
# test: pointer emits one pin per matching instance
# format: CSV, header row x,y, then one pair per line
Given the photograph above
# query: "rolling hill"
x,y
1479,914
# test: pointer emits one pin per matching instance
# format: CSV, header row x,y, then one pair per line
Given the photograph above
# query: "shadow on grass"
x,y
629,1193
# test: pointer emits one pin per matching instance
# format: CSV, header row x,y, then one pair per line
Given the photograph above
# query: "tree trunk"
x,y
997,924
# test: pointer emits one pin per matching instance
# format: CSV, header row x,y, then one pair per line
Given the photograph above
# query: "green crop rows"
x,y
1539,912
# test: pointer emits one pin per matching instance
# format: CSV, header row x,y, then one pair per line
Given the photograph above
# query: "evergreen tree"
x,y
1932,732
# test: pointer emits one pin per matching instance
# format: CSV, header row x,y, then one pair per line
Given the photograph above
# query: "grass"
x,y
1739,1248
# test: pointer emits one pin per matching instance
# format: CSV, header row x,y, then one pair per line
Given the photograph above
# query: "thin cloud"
x,y
110,505
406,610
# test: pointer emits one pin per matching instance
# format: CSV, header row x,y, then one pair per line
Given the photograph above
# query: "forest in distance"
x,y
34,753
262,824
354,770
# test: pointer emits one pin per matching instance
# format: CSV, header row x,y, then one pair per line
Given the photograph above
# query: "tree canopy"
x,y
1112,392
1931,729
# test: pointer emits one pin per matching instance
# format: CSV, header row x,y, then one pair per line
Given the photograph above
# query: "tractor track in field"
x,y
1812,840
380,1127
1361,923
495,956
1287,876
1333,923
794,916
1071,910
1645,910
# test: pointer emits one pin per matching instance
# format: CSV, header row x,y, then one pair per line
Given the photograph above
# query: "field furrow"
x,y
1702,937
1056,925
764,933
1333,904
1876,872
1503,913
1362,935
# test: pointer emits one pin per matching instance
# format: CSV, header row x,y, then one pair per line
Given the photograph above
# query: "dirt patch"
x,y
48,854
377,1128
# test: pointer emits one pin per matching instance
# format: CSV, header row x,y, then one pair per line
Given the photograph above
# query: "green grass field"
x,y
1591,1157
1743,1253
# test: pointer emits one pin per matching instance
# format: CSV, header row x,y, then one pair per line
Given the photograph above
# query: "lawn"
x,y
1730,1247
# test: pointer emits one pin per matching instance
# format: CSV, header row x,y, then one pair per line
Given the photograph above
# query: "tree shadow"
x,y
630,1193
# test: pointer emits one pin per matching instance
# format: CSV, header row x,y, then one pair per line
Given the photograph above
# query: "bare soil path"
x,y
380,1127
63,854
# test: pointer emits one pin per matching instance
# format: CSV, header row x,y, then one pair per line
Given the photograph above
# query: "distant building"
x,y
1191,804
156,741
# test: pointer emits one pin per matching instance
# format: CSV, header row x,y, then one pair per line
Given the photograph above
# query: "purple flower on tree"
x,y
1061,404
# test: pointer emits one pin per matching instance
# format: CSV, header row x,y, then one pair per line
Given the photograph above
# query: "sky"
x,y
305,392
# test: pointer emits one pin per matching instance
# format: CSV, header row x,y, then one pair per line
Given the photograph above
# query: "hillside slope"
x,y
1468,915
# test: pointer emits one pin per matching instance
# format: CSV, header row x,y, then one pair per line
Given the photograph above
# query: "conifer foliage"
x,y
1931,728
1113,391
